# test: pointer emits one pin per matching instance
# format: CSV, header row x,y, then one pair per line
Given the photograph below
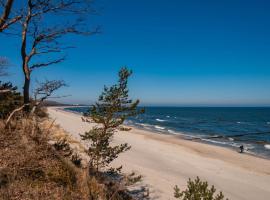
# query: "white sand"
x,y
165,161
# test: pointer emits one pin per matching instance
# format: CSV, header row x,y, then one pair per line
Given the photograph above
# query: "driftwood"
x,y
13,113
4,91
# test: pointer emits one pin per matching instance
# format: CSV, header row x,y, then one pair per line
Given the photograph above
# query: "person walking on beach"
x,y
241,149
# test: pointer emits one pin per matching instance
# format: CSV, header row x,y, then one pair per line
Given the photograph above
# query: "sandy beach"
x,y
166,160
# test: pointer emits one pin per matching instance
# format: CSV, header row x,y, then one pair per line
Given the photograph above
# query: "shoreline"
x,y
180,135
166,160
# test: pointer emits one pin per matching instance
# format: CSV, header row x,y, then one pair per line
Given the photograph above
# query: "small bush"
x,y
76,160
63,146
64,175
9,100
197,190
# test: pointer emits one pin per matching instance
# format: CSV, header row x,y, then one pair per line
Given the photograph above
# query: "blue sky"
x,y
186,53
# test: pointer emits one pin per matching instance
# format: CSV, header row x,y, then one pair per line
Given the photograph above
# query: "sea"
x,y
223,126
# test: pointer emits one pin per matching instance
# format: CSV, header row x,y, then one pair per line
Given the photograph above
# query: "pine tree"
x,y
109,113
197,190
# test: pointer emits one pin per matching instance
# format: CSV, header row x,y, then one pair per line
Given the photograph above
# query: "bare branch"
x,y
10,22
63,5
46,89
47,64
3,65
5,22
43,24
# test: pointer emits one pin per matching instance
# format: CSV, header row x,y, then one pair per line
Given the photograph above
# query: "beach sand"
x,y
166,160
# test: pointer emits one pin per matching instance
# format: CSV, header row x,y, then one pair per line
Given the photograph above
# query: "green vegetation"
x,y
31,168
197,190
110,112
35,169
10,99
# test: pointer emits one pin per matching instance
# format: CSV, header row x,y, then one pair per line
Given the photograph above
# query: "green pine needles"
x,y
197,190
109,113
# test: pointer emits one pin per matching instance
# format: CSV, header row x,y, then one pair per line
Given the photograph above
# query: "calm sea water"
x,y
229,127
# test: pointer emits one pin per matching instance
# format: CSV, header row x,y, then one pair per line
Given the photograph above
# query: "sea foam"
x,y
142,124
160,120
172,132
213,141
159,127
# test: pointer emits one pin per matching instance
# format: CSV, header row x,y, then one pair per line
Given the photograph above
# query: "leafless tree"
x,y
46,89
8,18
3,65
43,24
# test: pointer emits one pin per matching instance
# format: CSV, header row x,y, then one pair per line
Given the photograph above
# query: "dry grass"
x,y
57,133
32,169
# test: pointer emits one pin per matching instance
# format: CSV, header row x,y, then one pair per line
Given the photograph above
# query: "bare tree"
x,y
46,89
3,65
5,19
43,25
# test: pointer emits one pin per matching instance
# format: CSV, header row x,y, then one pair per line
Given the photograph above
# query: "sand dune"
x,y
166,160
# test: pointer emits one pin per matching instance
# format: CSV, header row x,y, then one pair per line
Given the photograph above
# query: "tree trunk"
x,y
26,96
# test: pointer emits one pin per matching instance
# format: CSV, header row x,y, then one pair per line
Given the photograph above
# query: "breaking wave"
x,y
160,120
172,132
159,127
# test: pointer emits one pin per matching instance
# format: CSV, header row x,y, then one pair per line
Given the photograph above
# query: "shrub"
x,y
63,146
197,190
76,160
9,100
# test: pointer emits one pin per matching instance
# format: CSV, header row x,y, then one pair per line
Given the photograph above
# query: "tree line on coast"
x,y
32,167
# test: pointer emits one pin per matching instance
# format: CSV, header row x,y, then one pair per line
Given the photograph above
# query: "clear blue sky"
x,y
187,53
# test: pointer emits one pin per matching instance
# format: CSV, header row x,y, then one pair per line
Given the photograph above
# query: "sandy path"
x,y
165,161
